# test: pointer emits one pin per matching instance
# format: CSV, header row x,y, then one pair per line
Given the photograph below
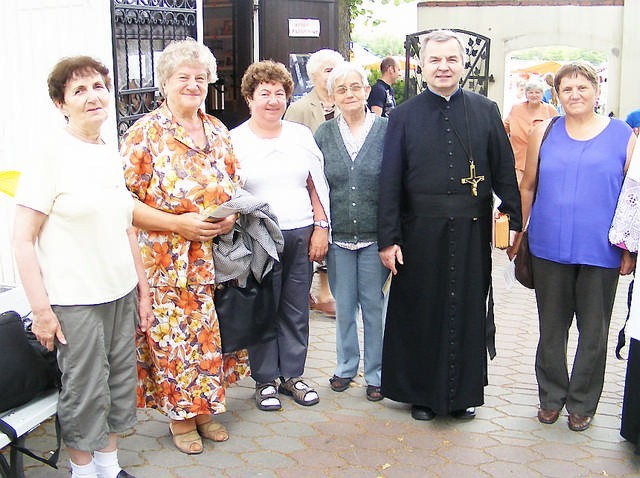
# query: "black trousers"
x,y
287,354
630,427
562,291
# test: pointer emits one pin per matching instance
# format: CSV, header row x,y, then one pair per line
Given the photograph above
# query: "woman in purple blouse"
x,y
582,163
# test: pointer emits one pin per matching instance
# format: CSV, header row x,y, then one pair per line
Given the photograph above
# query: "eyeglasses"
x,y
355,89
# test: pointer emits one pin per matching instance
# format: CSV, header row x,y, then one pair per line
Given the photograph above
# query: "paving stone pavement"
x,y
347,436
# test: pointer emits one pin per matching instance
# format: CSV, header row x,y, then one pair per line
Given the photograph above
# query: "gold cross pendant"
x,y
473,180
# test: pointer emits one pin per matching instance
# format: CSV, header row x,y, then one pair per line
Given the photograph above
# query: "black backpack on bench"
x,y
27,368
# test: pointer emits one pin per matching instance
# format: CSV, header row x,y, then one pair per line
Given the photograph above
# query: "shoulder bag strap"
x,y
52,461
544,136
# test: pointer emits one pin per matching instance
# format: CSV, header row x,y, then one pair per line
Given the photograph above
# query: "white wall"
x,y
515,28
630,77
34,34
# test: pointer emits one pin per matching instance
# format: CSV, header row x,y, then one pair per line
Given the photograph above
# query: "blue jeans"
x,y
356,279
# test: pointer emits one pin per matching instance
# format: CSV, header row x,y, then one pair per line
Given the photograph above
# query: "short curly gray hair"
x,y
534,85
180,52
320,58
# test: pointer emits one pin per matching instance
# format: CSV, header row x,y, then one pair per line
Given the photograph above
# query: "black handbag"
x,y
247,315
523,263
27,367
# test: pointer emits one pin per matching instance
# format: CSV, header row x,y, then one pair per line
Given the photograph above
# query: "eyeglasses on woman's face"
x,y
355,88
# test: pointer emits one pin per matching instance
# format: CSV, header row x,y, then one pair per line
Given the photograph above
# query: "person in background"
x,y
550,95
625,233
179,165
576,184
312,110
633,120
282,166
81,269
630,423
522,118
445,155
516,94
381,99
352,148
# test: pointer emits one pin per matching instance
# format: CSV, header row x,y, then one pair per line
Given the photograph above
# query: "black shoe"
x,y
418,412
124,474
465,414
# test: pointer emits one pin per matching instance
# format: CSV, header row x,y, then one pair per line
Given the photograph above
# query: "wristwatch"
x,y
321,223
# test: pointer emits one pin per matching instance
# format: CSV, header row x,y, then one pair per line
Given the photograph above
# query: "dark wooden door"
x,y
275,42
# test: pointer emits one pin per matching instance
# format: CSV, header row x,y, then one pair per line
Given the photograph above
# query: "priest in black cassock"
x,y
445,154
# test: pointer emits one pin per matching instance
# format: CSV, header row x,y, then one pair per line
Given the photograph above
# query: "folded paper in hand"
x,y
220,212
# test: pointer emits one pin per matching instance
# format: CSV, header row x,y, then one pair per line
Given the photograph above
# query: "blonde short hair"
x,y
182,52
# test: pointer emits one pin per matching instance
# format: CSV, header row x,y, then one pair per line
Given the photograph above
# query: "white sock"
x,y
83,471
107,463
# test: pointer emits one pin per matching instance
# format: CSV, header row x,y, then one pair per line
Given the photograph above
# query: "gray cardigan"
x,y
353,185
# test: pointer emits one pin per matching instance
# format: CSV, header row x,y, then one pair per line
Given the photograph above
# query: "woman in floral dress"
x,y
180,166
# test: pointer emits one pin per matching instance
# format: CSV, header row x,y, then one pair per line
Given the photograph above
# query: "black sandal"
x,y
373,393
339,384
264,393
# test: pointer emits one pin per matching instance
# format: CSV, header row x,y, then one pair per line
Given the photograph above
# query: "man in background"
x,y
381,99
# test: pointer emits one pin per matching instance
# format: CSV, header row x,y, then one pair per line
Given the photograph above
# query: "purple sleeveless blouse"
x,y
578,187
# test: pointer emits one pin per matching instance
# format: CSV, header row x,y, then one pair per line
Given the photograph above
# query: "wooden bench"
x,y
25,419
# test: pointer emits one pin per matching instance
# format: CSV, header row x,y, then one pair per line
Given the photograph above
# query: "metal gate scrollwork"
x,y
476,69
140,31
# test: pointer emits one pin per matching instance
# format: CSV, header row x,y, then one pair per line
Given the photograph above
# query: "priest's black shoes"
x,y
464,414
418,412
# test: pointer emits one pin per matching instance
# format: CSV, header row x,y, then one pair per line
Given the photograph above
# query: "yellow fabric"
x,y
9,182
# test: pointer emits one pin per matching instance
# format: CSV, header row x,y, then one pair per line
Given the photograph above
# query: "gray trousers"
x,y
287,353
98,367
563,290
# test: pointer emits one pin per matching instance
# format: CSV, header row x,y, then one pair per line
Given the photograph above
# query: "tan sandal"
x,y
189,442
301,393
213,431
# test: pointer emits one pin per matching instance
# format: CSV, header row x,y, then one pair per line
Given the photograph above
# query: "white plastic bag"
x,y
509,274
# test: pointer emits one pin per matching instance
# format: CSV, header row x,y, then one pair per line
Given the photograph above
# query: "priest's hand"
x,y
389,255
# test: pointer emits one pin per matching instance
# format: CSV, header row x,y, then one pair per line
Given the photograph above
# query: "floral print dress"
x,y
181,368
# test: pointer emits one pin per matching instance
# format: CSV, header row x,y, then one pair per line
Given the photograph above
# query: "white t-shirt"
x,y
276,170
83,248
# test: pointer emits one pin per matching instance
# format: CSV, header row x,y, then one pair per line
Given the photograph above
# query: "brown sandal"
x,y
189,442
213,431
302,393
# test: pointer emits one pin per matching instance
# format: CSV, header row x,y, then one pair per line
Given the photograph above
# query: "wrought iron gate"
x,y
476,70
140,30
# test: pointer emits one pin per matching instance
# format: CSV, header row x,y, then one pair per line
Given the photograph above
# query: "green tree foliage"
x,y
359,8
383,45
